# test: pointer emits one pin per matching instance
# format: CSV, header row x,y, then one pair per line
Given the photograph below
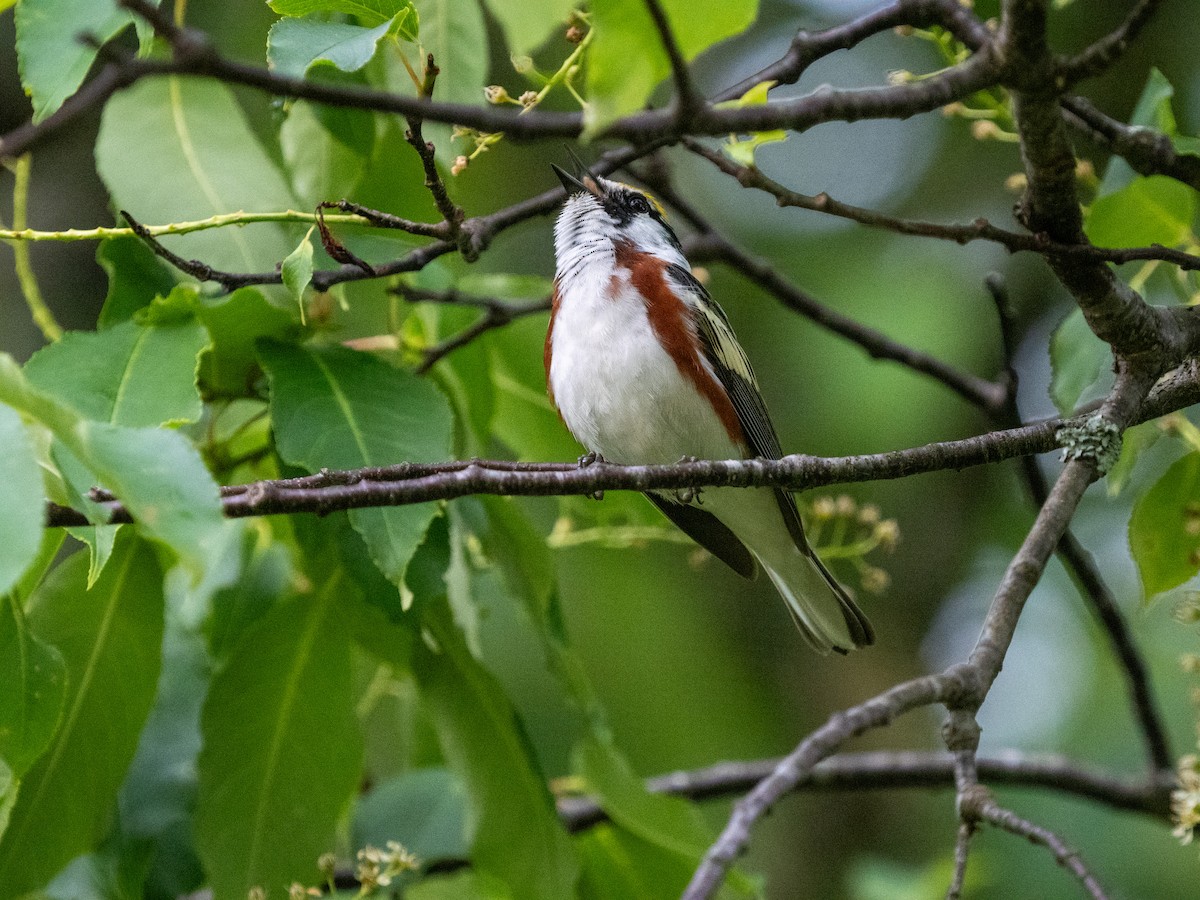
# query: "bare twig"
x,y
978,230
1100,56
985,809
809,46
1147,151
1080,565
962,850
452,214
887,770
420,483
193,267
798,765
687,99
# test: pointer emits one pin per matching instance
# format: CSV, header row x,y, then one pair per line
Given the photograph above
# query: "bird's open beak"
x,y
582,180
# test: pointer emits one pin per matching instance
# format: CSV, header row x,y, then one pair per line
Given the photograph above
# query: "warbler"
x,y
645,369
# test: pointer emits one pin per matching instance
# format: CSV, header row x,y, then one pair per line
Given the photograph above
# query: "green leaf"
x,y
129,374
1134,441
235,323
369,12
297,271
135,277
157,474
24,501
266,572
1164,530
34,677
282,750
425,810
340,409
459,886
455,33
1154,210
325,150
518,838
1077,358
295,45
117,871
627,59
158,796
100,540
110,638
179,149
742,151
52,59
527,24
668,822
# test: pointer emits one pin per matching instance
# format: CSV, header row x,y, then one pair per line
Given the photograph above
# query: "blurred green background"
x,y
695,666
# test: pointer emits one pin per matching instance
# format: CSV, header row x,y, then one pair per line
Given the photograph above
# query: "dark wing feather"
x,y
729,361
710,533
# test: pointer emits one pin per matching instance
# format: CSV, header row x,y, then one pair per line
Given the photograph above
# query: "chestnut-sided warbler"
x,y
644,369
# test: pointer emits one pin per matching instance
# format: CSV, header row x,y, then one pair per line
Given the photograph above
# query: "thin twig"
x,y
962,850
1080,565
888,770
991,812
496,316
809,46
452,214
1100,56
687,99
1147,151
979,230
194,268
420,483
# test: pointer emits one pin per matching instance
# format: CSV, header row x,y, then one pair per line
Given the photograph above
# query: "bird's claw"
x,y
590,459
690,495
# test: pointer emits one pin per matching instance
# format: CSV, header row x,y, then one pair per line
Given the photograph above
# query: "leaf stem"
x,y
42,316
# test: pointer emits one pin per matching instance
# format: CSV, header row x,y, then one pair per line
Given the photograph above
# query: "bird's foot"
x,y
689,495
590,459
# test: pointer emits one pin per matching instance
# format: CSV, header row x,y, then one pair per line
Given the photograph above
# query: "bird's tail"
x,y
821,608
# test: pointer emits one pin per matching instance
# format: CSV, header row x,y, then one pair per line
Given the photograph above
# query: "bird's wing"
x,y
710,533
732,368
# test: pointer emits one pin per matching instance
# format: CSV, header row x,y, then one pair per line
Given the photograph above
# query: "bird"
x,y
644,368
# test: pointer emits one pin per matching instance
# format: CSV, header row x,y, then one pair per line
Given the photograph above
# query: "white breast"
x,y
618,390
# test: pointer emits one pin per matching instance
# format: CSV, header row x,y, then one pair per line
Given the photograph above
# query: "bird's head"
x,y
598,210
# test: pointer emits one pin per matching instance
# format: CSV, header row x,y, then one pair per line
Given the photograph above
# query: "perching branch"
x,y
980,229
886,770
421,483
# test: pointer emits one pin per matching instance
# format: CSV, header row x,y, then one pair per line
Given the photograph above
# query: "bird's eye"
x,y
639,204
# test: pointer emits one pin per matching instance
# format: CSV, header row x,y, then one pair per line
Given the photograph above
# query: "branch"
x,y
192,54
984,809
980,229
687,99
452,214
807,47
884,770
799,764
1082,568
329,491
1147,151
1101,55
